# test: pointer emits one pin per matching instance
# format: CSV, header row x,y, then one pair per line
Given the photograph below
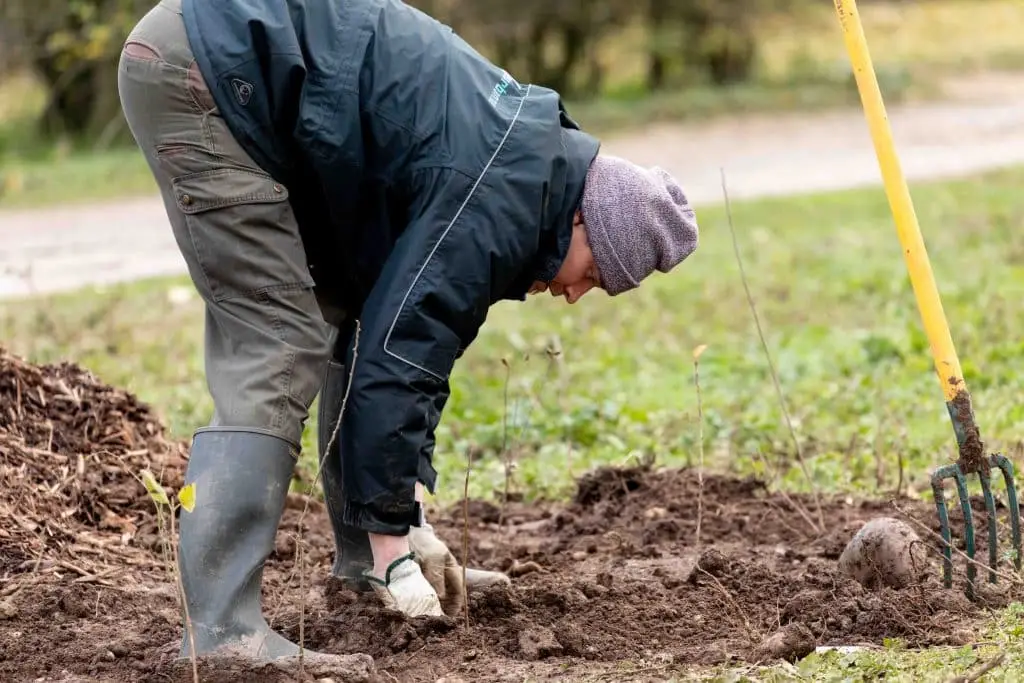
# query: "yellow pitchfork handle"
x,y
947,366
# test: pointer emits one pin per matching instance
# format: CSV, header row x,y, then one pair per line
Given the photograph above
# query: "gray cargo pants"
x,y
267,339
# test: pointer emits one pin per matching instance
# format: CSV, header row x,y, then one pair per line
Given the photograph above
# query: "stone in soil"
x,y
885,552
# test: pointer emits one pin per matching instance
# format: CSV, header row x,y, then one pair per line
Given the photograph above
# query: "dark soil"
x,y
612,585
972,450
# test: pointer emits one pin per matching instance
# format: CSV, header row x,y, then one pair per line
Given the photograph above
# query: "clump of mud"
x,y
615,579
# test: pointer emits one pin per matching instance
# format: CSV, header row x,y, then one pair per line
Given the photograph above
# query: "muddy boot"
x,y
241,481
352,545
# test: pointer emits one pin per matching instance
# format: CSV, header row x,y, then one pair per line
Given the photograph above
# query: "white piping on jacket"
x,y
444,234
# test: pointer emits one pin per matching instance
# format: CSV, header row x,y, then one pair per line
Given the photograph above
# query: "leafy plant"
x,y
166,510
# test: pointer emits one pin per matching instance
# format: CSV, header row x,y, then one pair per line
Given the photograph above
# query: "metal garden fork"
x,y
972,458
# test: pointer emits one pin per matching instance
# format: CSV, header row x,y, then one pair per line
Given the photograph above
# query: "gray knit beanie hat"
x,y
638,220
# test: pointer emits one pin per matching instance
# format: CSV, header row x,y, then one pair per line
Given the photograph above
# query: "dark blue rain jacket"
x,y
428,184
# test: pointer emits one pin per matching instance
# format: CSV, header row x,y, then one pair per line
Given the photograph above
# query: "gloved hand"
x,y
404,588
440,568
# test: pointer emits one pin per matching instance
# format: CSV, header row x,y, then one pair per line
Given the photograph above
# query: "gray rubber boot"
x,y
241,481
352,545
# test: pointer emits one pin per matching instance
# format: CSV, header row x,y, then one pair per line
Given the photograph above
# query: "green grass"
x,y
53,176
1003,634
610,380
36,172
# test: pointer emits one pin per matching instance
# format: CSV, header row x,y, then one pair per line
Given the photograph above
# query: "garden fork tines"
x,y
972,458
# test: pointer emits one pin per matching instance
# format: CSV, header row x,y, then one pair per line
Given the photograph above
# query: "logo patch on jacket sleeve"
x,y
502,87
243,90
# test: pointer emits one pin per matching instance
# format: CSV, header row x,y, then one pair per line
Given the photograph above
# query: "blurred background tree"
x,y
72,46
620,65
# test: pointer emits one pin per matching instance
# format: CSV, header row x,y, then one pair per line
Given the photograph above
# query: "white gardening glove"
x,y
404,588
440,568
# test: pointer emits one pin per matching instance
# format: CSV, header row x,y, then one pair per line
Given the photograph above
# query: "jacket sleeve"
x,y
454,259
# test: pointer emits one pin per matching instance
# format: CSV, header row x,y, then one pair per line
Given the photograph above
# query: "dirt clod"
x,y
995,596
537,642
972,449
8,610
791,642
885,552
614,576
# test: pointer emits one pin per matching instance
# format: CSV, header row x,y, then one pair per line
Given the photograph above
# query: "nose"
x,y
575,292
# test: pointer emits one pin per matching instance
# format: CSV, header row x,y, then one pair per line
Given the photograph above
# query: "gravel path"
x,y
979,128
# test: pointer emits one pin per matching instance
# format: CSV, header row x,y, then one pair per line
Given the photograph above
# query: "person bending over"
x,y
356,160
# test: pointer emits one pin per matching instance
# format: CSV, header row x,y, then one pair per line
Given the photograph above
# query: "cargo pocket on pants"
x,y
242,232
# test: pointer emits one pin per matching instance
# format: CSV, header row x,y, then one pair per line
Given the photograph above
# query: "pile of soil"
x,y
613,585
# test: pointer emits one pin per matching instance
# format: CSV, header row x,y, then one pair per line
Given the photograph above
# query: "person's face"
x,y
578,274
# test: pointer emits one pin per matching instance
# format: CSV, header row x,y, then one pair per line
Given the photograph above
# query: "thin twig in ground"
x,y
700,439
168,541
184,606
465,530
305,507
1002,575
980,672
878,446
300,563
86,576
732,603
786,497
506,455
768,356
512,445
918,585
901,482
781,519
